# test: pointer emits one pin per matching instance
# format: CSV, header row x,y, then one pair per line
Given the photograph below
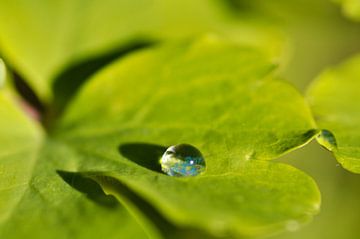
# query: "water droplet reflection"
x,y
327,139
182,160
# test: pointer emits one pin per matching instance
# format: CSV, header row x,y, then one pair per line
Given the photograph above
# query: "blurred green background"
x,y
320,36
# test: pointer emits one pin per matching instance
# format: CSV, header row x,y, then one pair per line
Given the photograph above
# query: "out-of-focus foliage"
x,y
351,8
335,98
41,38
320,36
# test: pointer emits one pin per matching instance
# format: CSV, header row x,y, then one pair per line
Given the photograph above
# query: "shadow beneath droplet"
x,y
89,187
143,154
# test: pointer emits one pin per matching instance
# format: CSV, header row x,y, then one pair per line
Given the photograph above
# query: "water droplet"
x,y
327,139
182,160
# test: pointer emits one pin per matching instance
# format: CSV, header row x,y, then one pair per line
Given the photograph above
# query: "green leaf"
x,y
41,38
216,95
351,8
219,97
334,98
34,201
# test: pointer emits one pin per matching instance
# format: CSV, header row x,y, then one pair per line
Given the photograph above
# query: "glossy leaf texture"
x,y
218,96
42,38
334,98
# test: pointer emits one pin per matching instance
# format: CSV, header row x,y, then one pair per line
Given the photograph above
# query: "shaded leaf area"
x,y
145,155
69,81
351,8
334,98
90,188
223,99
28,95
14,85
88,29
